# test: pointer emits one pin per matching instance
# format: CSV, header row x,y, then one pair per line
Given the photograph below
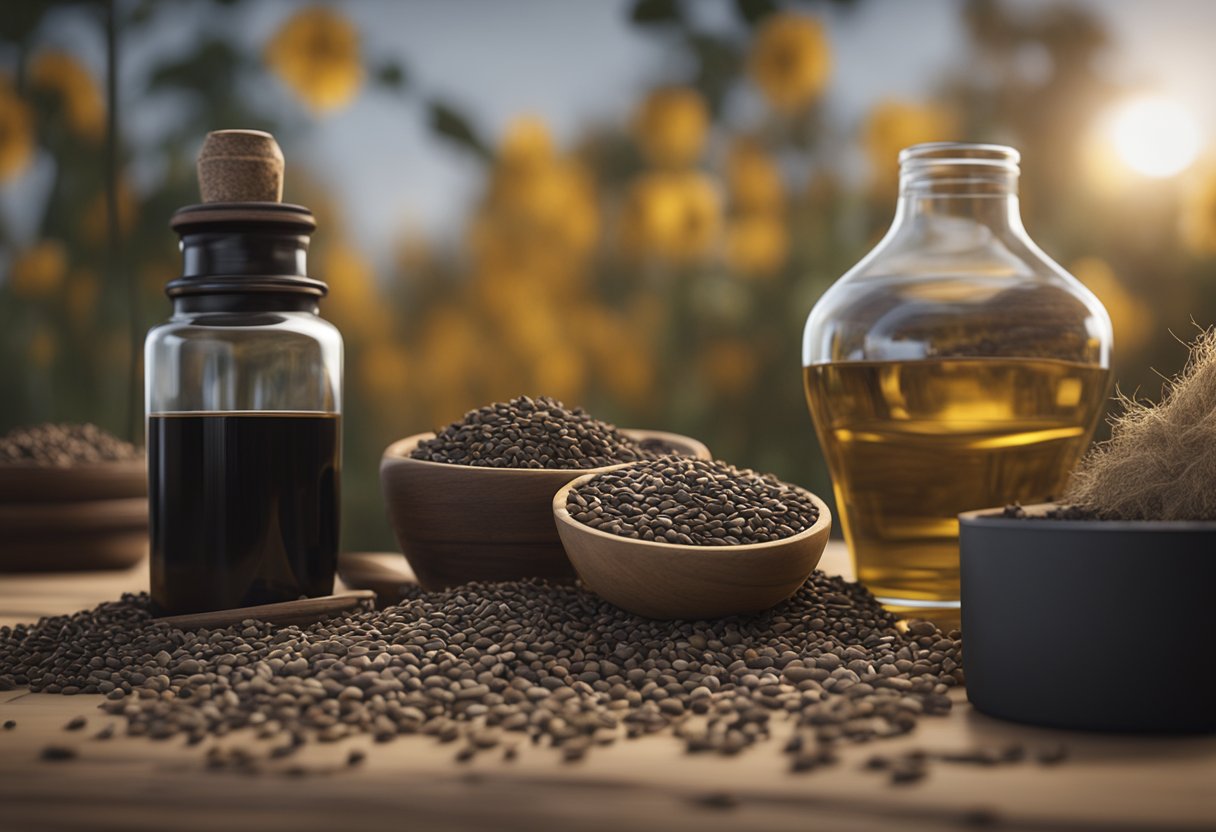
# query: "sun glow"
x,y
1154,136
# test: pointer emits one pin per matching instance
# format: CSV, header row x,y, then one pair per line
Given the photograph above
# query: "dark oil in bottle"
x,y
244,508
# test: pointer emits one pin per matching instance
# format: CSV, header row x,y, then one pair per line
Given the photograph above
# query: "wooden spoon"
x,y
303,611
385,573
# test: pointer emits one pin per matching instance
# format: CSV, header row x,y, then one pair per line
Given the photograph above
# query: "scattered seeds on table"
x,y
63,445
1067,512
10,724
693,502
355,757
57,753
76,724
487,664
981,816
105,733
1051,756
716,800
530,432
908,771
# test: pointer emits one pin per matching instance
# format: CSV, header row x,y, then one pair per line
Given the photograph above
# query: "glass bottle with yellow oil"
x,y
955,367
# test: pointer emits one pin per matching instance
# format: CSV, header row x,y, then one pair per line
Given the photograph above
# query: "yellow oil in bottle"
x,y
910,444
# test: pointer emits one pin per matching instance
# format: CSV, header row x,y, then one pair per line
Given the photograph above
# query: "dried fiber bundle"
x,y
1160,462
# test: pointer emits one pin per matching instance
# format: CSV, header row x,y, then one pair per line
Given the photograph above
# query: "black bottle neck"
x,y
244,252
244,257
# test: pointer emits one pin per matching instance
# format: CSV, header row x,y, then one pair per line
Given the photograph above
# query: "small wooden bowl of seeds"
x,y
72,497
473,502
690,539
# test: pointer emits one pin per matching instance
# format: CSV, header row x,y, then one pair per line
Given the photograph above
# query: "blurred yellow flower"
x,y
555,202
353,300
451,356
16,131
753,178
629,374
671,126
526,143
757,244
619,347
530,320
81,294
316,54
535,196
42,348
729,366
84,108
790,60
38,271
561,372
675,215
95,219
1131,318
893,125
1197,220
384,371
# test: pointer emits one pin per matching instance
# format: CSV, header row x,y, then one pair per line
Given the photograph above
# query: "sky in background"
x,y
571,63
575,62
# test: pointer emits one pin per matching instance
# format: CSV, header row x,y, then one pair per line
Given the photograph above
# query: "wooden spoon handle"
x,y
303,611
385,573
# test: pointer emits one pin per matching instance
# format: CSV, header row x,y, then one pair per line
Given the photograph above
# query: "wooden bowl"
x,y
75,553
1065,620
23,483
70,536
78,517
666,580
460,523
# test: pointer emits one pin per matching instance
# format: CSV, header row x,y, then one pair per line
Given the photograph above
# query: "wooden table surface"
x,y
133,783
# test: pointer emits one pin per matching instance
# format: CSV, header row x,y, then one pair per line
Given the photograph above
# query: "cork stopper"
x,y
240,166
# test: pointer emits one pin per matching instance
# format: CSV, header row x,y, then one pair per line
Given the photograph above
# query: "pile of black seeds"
x,y
693,502
63,445
1016,512
530,433
487,666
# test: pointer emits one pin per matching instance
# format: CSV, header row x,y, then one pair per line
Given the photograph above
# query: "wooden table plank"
x,y
1109,782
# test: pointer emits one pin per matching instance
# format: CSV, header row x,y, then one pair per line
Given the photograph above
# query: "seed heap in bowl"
x,y
63,445
530,433
693,502
490,665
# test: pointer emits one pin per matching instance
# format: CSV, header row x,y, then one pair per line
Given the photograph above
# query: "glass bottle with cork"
x,y
955,367
243,397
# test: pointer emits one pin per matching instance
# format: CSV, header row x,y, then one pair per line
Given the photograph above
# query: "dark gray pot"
x,y
1102,625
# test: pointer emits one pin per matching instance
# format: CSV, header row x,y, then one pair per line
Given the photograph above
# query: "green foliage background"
x,y
433,337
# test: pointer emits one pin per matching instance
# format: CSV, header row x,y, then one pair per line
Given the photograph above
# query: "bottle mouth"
x,y
955,168
960,153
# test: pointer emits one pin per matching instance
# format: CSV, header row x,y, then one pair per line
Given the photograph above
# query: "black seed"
x,y
904,773
716,800
479,663
62,445
692,502
530,433
1052,755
